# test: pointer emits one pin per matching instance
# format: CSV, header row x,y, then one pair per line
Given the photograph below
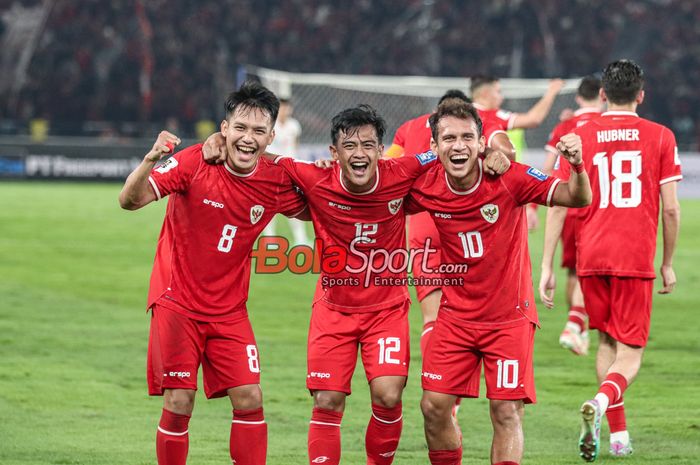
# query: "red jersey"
x,y
483,228
627,158
414,135
500,119
356,228
581,117
214,215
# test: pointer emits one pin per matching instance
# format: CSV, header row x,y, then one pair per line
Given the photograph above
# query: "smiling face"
x,y
248,132
358,151
458,145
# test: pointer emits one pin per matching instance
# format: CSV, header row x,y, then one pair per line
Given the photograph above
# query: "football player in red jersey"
x,y
575,334
490,316
633,162
412,137
199,284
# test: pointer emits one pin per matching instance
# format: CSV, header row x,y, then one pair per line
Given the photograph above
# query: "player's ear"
x,y
334,152
603,97
433,145
224,126
272,136
482,144
640,97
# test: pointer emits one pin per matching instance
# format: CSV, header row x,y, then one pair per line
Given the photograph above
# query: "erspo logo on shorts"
x,y
432,376
178,374
316,374
426,157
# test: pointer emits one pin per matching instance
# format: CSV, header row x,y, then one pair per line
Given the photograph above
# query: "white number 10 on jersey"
x,y
619,178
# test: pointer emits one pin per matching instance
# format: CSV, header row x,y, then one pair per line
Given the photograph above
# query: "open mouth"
x,y
359,168
459,160
245,151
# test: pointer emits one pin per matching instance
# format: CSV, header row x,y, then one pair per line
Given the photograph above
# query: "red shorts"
x,y
568,243
178,345
421,227
620,307
334,337
453,358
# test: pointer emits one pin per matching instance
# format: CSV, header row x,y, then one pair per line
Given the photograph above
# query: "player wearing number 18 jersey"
x,y
633,162
199,284
491,317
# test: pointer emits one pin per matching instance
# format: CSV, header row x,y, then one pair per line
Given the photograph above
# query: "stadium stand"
x,y
144,61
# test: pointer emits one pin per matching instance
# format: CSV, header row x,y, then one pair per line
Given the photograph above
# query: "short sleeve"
x,y
290,202
506,117
400,137
177,172
303,173
527,184
669,159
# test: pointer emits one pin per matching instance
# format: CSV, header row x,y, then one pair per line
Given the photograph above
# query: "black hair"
x,y
455,93
253,95
589,88
480,80
352,118
458,109
622,81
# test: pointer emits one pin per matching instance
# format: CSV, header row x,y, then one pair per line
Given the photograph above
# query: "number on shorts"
x,y
387,347
507,374
253,362
226,241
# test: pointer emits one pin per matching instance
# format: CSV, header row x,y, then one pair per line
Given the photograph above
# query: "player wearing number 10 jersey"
x,y
491,318
632,162
199,284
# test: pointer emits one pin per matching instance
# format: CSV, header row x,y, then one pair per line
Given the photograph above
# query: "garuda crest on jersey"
x,y
256,212
394,206
490,212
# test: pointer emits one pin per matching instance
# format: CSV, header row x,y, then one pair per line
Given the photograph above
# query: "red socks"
x,y
425,336
579,317
613,387
445,457
383,434
324,437
172,440
616,417
248,445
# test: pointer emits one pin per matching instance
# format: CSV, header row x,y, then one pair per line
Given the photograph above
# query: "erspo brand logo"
x,y
213,203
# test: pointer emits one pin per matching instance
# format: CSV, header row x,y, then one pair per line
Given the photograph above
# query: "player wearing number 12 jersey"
x,y
633,162
199,284
491,318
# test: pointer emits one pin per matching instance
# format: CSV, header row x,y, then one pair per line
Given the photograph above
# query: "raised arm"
x,y
577,191
539,111
671,222
136,192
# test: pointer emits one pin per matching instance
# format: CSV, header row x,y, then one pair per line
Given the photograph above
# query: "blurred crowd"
x,y
143,61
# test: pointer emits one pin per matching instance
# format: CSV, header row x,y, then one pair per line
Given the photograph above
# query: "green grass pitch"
x,y
74,272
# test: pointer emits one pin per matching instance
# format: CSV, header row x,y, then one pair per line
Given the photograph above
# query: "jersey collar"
x,y
471,189
241,175
374,188
620,113
584,110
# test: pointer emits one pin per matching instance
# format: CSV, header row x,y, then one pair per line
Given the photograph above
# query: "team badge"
x,y
490,212
256,212
395,205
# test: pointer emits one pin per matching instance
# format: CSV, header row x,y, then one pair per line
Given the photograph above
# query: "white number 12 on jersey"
x,y
619,178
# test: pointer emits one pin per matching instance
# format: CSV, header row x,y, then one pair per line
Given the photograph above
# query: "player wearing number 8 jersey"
x,y
491,317
199,284
633,162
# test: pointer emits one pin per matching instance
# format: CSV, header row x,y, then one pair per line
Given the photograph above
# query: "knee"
x,y
329,400
434,411
387,399
180,401
507,414
246,397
